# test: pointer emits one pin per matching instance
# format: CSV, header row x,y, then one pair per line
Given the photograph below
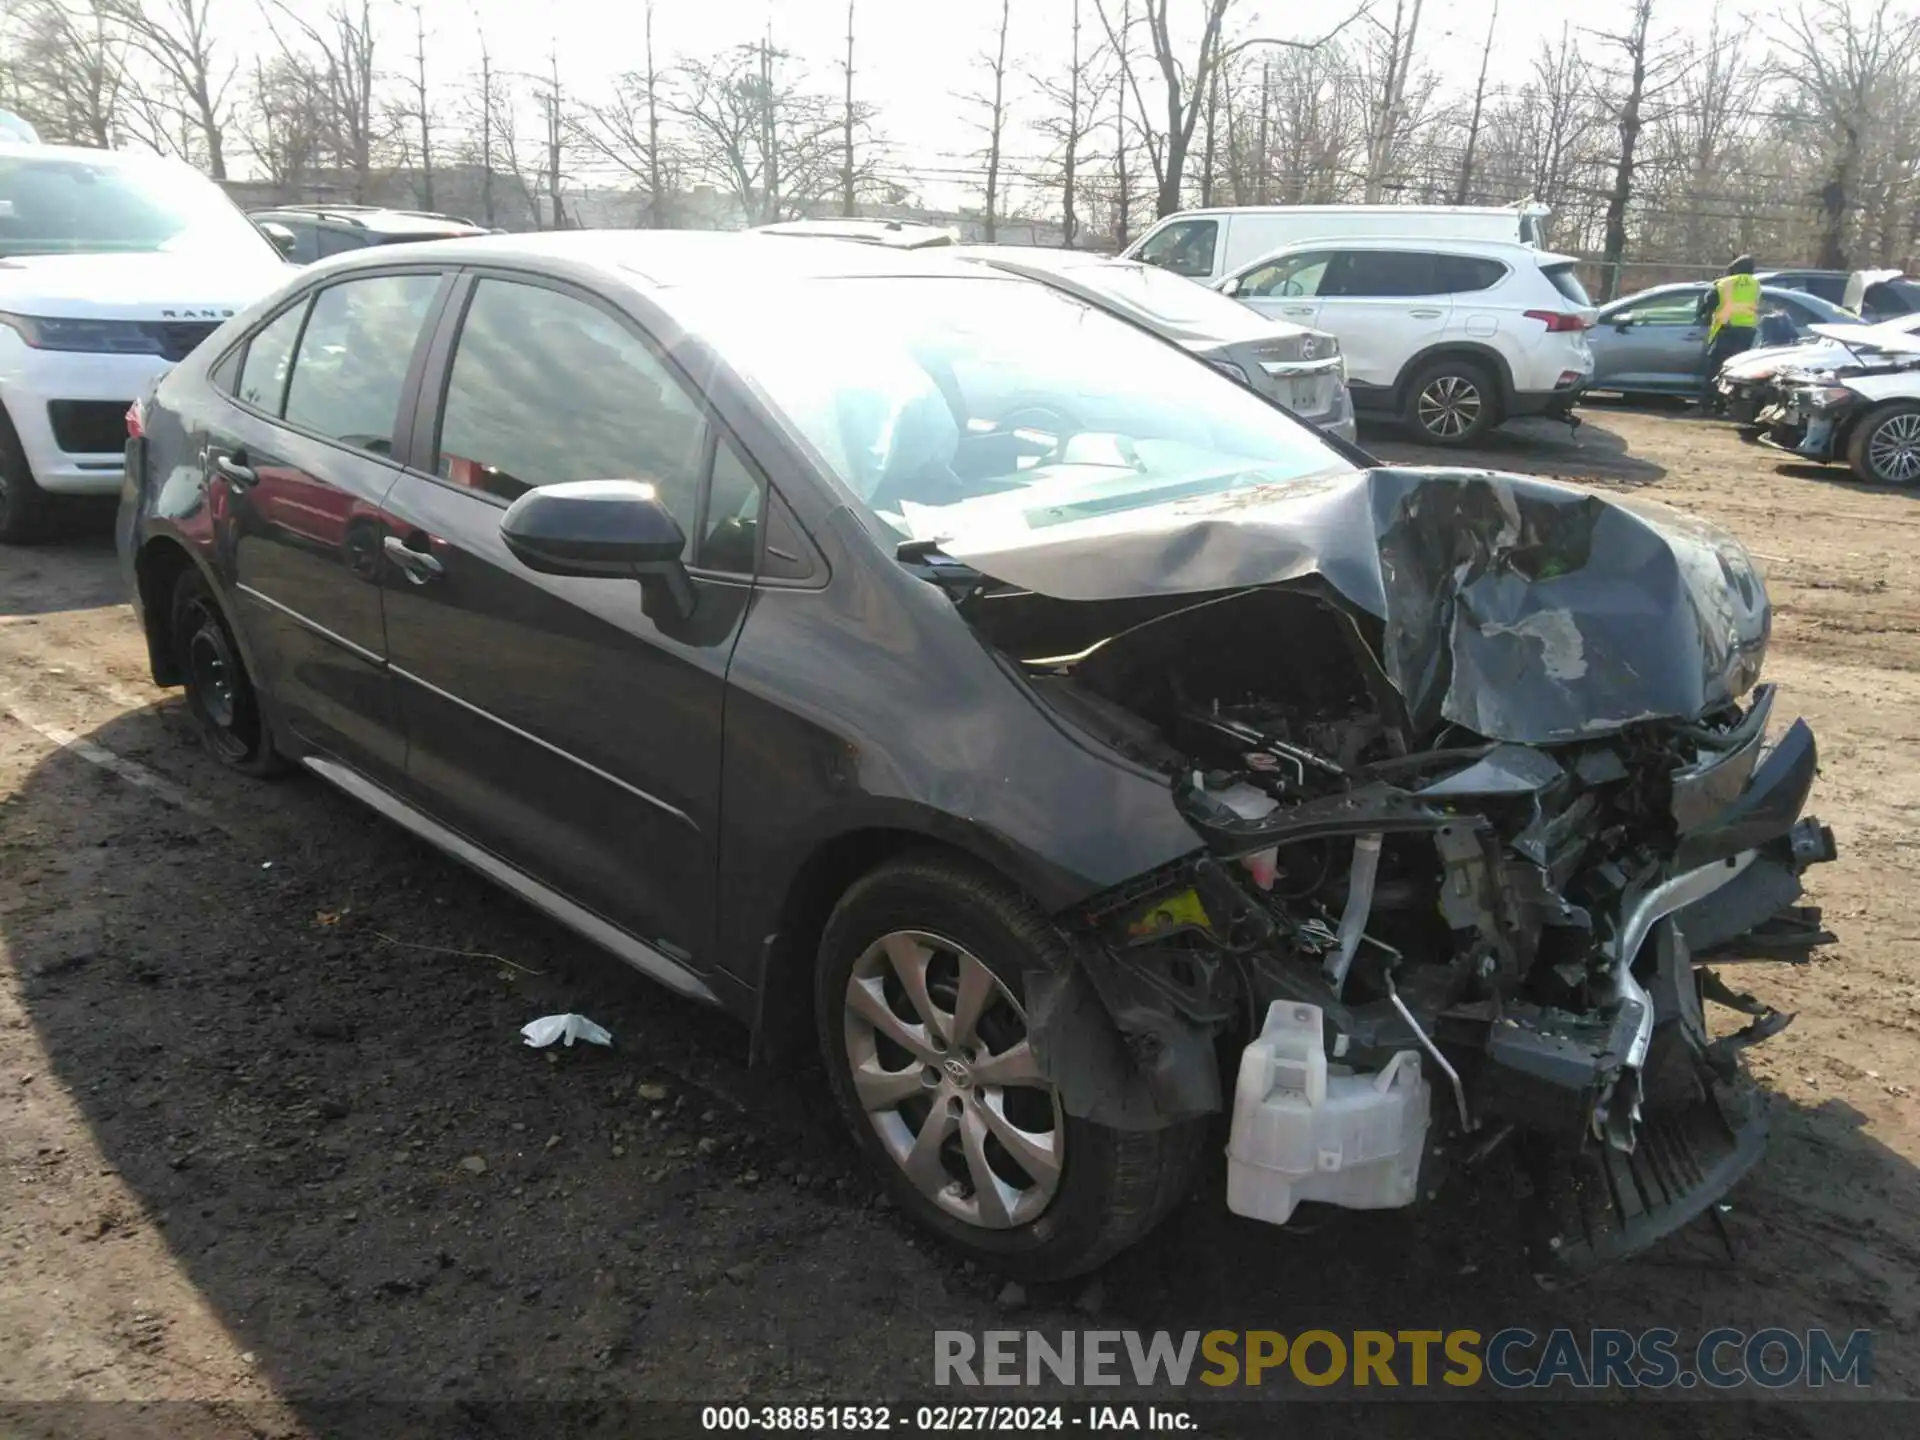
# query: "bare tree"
x,y
1184,84
1479,104
1650,70
1844,64
995,105
1716,96
178,37
341,41
285,119
1074,98
627,131
69,70
553,109
846,142
774,147
421,113
1389,115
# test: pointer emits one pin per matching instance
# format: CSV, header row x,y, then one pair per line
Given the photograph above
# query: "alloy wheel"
x,y
939,1056
1893,451
1449,406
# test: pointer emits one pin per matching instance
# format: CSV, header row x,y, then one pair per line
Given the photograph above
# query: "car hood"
x,y
143,286
1522,609
1759,364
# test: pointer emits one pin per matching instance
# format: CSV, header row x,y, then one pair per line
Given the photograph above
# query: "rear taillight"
x,y
1558,322
136,422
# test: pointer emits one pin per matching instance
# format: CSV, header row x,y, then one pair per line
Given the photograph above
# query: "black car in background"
x,y
939,670
322,230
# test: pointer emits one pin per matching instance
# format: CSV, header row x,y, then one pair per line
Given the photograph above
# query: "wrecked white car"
x,y
1860,408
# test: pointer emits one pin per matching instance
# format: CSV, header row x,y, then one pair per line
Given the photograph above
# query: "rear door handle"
x,y
1424,314
236,472
420,567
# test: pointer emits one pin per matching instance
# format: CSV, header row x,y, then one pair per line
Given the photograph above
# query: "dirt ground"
x,y
269,1138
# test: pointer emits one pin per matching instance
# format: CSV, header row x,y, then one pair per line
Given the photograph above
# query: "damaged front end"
x,y
1482,783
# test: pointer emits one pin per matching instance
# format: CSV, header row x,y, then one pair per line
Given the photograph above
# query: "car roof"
x,y
906,234
1516,211
127,159
1675,287
664,259
388,222
1443,244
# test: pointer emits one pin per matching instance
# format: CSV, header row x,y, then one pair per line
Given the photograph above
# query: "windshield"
x,y
70,206
1171,299
950,406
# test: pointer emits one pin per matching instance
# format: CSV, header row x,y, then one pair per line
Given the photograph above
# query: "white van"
x,y
1207,245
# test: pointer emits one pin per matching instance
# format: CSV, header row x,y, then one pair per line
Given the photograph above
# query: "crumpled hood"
x,y
1525,610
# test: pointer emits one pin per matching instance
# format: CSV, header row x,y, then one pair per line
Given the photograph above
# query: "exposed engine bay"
x,y
1518,917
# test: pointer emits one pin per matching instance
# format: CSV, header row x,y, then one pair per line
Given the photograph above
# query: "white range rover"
x,y
113,266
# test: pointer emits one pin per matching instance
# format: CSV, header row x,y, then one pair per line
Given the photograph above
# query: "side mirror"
x,y
283,239
1623,326
1230,285
605,529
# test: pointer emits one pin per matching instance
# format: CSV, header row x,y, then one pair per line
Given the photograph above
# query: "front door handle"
x,y
236,472
420,567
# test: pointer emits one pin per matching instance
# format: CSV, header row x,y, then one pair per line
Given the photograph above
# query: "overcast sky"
x,y
914,57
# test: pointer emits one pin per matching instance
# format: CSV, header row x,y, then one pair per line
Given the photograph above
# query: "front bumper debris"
x,y
1578,1043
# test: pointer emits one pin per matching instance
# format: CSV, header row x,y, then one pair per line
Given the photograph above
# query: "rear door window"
x,y
353,358
1463,274
1369,274
1678,308
1801,313
1184,247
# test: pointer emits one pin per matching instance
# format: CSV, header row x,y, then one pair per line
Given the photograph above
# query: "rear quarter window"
x,y
1567,281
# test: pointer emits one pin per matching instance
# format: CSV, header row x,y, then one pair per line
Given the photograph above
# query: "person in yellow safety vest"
x,y
1731,306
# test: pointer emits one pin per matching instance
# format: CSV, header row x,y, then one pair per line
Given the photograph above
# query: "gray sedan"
x,y
1299,368
1653,343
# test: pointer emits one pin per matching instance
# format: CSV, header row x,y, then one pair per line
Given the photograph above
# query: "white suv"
x,y
1450,336
112,267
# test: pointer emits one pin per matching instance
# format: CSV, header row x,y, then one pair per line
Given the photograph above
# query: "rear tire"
x,y
1450,402
1884,448
1091,1191
220,694
24,507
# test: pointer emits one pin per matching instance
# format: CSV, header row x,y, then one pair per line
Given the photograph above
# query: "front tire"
x,y
1450,402
220,693
1885,447
918,1005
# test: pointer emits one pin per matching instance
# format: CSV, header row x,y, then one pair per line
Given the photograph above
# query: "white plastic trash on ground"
x,y
549,1028
1304,1130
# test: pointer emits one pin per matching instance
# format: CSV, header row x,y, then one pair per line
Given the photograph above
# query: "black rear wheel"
x,y
220,693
